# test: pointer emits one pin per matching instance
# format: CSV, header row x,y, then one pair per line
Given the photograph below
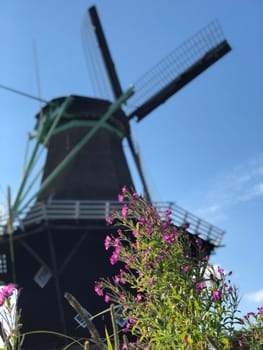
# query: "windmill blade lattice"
x,y
177,69
95,64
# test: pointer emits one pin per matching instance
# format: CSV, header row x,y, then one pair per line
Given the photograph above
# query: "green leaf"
x,y
109,345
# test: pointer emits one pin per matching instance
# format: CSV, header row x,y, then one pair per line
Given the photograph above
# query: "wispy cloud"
x,y
256,297
243,184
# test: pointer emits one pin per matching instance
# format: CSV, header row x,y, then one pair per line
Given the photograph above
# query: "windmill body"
x,y
58,242
100,168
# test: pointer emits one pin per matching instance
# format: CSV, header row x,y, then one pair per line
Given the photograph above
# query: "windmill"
x,y
59,231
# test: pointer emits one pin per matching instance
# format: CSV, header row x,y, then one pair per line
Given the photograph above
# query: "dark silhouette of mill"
x,y
57,244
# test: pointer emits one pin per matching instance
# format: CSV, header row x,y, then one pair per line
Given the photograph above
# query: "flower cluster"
x,y
6,292
9,317
170,296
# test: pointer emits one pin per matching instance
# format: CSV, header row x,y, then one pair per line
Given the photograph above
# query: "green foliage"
x,y
171,297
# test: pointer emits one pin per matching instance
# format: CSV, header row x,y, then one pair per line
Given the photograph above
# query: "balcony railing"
x,y
68,210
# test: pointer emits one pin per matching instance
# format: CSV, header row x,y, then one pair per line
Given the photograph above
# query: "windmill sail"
x,y
106,55
177,69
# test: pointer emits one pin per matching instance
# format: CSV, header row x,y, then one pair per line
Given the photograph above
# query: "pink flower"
x,y
150,282
120,278
8,290
124,189
240,343
135,195
2,299
107,242
124,211
135,233
186,268
169,237
168,212
117,279
199,286
260,310
132,320
139,297
109,219
142,221
149,230
220,270
117,243
98,289
216,295
106,298
122,296
114,258
120,198
186,339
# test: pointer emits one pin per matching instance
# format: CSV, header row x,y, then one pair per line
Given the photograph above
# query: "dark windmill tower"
x,y
58,242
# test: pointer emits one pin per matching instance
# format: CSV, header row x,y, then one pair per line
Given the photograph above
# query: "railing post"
x,y
197,226
107,209
44,210
77,210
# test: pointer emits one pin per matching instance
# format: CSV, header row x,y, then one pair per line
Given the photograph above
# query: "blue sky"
x,y
203,149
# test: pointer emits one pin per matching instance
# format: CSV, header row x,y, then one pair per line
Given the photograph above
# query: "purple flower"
x,y
120,198
240,343
186,225
142,221
114,258
135,195
124,211
117,243
8,290
109,219
168,212
186,268
107,242
117,279
150,282
198,241
164,226
122,296
260,310
135,233
139,297
216,295
220,270
98,289
186,339
169,237
132,320
106,298
149,230
199,286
